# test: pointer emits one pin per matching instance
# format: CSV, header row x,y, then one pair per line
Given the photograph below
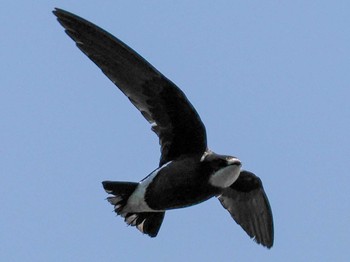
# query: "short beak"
x,y
232,161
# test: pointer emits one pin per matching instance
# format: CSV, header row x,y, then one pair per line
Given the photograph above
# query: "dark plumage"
x,y
188,172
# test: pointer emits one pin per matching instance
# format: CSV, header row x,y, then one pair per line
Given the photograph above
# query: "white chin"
x,y
225,176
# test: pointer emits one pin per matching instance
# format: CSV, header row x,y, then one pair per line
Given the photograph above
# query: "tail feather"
x,y
121,192
147,222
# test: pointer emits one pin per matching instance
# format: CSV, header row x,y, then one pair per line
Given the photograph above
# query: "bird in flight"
x,y
189,172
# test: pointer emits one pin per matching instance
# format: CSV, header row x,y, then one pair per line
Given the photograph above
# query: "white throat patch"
x,y
225,177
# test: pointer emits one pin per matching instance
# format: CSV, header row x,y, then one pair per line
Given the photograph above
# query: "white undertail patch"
x,y
136,202
140,226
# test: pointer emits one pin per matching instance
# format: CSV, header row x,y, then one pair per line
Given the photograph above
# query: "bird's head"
x,y
224,169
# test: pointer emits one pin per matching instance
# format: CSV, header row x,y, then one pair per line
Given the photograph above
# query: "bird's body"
x,y
183,183
180,183
188,173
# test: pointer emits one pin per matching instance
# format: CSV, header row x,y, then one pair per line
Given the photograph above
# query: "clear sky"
x,y
270,80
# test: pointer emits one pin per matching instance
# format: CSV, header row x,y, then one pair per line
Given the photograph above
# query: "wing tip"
x,y
267,243
58,11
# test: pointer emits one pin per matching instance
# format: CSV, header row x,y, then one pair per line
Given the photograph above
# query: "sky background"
x,y
270,80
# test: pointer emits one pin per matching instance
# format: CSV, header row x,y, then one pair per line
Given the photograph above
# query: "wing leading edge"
x,y
161,102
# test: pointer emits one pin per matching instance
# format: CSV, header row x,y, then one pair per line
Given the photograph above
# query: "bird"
x,y
188,172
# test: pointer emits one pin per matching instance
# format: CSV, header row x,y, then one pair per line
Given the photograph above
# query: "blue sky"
x,y
270,80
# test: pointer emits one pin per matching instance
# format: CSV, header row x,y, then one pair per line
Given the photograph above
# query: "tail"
x,y
147,222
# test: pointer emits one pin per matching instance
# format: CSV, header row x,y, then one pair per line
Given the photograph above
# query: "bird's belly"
x,y
178,195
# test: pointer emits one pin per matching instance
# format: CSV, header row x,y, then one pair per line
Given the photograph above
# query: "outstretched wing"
x,y
247,203
161,102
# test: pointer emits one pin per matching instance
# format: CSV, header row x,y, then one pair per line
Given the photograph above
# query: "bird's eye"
x,y
222,162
